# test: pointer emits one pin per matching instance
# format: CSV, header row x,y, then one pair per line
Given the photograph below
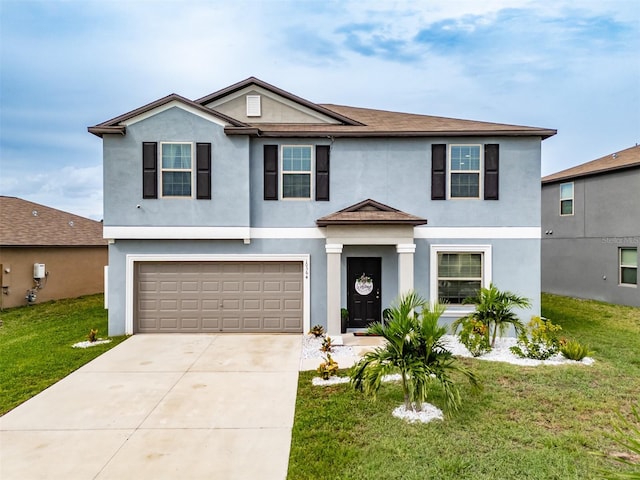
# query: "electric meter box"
x,y
38,270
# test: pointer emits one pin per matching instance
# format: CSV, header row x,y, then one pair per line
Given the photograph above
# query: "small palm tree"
x,y
494,308
414,348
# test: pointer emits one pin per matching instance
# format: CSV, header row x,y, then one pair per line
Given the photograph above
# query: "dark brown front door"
x,y
363,291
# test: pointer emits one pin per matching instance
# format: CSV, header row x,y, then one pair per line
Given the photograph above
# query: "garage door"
x,y
218,297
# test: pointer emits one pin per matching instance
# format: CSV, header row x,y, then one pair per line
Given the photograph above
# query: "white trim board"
x,y
172,104
478,232
230,233
132,259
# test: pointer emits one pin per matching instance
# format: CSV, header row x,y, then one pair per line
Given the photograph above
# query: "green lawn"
x,y
528,422
35,345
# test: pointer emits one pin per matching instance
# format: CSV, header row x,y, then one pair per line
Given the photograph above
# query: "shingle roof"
x,y
115,124
24,223
372,213
376,123
616,161
355,122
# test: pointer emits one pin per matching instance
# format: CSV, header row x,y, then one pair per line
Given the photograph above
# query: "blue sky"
x,y
572,65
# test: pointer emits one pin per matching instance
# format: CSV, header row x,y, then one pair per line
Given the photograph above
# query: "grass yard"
x,y
528,423
35,345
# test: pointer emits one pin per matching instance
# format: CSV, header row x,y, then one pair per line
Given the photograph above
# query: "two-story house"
x,y
254,210
591,223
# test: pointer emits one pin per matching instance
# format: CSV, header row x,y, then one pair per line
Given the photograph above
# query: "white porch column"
x,y
334,253
405,266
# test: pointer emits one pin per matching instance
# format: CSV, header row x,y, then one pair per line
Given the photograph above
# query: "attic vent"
x,y
253,106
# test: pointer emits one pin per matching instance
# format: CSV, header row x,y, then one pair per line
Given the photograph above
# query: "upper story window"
x,y
176,169
566,198
629,266
296,171
464,171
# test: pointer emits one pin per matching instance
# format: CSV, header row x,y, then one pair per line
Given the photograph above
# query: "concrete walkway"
x,y
162,407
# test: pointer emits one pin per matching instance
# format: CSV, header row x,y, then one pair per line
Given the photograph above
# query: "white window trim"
x,y
162,170
450,171
573,196
282,174
433,271
620,266
131,261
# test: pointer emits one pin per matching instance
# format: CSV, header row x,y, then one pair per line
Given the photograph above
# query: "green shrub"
x,y
542,341
475,336
328,368
574,350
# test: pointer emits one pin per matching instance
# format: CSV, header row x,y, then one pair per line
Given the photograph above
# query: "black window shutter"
x,y
438,171
322,172
203,170
271,172
149,170
491,171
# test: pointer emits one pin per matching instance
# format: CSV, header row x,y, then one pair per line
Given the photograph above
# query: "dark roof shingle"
x,y
24,223
627,158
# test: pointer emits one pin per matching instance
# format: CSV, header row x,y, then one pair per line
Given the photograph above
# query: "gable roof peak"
x,y
370,212
247,82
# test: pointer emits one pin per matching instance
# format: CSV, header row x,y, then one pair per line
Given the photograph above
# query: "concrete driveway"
x,y
162,407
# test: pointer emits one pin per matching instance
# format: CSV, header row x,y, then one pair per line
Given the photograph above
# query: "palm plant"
x,y
494,308
415,349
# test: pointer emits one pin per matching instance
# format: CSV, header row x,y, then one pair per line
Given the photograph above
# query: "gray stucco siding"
x,y
229,205
510,270
587,268
397,172
583,248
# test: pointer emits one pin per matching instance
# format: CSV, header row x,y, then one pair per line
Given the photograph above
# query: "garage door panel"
x,y
293,286
272,286
218,296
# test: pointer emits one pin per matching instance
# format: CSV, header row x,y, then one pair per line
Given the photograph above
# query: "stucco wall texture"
x,y
580,258
72,272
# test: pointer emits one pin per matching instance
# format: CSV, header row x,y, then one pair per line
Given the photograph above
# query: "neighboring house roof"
x,y
24,224
370,212
354,122
623,159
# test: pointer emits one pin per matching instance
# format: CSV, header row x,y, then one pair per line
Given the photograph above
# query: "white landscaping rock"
x,y
429,412
87,343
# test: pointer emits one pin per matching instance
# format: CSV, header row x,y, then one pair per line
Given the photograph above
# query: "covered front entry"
x,y
364,291
366,223
252,296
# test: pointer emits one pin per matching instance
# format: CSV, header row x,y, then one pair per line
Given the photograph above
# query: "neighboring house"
x,y
591,224
69,252
252,209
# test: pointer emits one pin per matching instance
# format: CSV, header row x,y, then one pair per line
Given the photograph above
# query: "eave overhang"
x,y
370,212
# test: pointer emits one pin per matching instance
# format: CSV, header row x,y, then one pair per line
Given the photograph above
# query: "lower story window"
x,y
459,275
629,266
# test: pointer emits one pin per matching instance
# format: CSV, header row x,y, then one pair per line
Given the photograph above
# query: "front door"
x,y
364,282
